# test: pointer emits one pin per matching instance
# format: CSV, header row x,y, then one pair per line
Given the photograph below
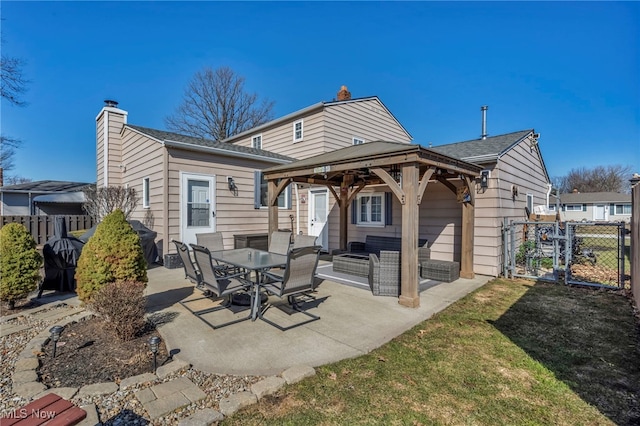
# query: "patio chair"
x,y
280,242
304,241
216,284
214,242
190,269
298,279
384,273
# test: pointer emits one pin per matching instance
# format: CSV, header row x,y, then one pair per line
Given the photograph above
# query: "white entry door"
x,y
197,206
318,212
599,212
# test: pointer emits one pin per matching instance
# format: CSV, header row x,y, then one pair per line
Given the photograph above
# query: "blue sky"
x,y
569,70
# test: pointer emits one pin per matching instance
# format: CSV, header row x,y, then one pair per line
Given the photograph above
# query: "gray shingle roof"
x,y
488,149
233,149
593,197
46,186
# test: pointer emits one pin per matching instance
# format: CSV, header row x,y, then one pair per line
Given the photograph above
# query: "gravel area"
x,y
120,407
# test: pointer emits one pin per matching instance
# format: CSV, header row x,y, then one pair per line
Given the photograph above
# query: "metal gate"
x,y
585,253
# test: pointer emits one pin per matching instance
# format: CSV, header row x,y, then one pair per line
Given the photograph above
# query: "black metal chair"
x,y
298,280
216,282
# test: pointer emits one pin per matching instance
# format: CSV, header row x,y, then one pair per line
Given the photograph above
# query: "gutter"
x,y
224,152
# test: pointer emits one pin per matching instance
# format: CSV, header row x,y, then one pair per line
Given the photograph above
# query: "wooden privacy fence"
x,y
41,227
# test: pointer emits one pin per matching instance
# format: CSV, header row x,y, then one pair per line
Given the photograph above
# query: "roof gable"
x,y
311,108
190,142
489,149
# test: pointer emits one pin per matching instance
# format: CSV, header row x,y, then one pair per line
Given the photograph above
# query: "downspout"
x,y
295,188
548,193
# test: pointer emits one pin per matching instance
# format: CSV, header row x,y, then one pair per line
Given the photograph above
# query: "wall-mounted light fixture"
x,y
484,178
232,185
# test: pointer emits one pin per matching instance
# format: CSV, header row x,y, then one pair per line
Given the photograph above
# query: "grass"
x,y
607,251
513,352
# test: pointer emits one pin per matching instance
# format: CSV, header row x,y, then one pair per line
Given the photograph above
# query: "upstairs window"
x,y
298,130
357,140
256,142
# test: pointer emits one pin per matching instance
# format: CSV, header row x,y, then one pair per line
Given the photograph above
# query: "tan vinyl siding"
x,y
234,214
367,119
100,152
142,158
279,139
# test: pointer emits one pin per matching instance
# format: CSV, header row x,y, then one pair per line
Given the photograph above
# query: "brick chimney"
x,y
344,94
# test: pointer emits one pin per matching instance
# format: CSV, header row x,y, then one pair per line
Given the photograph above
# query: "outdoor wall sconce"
x,y
154,343
55,331
232,184
484,179
514,191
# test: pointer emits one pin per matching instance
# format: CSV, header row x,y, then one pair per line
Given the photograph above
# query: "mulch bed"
x,y
88,352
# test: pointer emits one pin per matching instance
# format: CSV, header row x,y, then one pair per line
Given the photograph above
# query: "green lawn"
x,y
514,352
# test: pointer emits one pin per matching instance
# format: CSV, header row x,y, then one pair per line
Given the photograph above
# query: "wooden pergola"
x,y
347,171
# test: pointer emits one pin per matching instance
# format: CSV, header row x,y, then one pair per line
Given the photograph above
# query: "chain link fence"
x,y
586,253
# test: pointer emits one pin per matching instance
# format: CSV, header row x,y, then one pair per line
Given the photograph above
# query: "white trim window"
x,y
146,203
256,142
370,209
357,141
622,209
575,207
298,130
261,193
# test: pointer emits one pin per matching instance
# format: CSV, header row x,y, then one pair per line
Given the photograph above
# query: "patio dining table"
x,y
255,260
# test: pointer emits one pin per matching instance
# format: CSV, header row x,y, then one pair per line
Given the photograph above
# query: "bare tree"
x,y
14,83
15,180
8,148
102,201
613,178
215,106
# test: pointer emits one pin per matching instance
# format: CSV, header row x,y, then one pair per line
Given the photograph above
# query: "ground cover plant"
x,y
513,352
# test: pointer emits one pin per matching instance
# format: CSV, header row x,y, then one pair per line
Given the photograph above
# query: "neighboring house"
x,y
593,206
45,197
190,185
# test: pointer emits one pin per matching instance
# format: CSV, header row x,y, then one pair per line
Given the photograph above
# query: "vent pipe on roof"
x,y
484,109
110,103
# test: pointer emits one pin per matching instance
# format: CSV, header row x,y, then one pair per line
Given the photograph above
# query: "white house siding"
x,y
234,214
367,119
99,152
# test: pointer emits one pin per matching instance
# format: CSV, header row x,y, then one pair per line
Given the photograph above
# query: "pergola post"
x,y
273,207
343,202
466,255
410,222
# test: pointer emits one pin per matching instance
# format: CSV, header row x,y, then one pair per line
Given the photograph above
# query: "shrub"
x,y
19,263
121,305
112,254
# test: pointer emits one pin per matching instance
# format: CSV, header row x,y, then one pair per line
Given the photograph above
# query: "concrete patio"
x,y
353,322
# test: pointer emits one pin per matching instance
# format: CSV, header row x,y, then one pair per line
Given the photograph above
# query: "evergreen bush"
x,y
112,254
20,263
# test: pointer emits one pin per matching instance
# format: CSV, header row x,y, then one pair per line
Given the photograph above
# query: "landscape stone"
x,y
92,416
134,380
228,406
24,376
174,366
97,389
145,395
30,363
29,390
171,387
267,386
204,417
194,393
66,393
297,373
161,406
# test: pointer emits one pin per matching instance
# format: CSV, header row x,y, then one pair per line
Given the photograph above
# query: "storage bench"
x,y
440,270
